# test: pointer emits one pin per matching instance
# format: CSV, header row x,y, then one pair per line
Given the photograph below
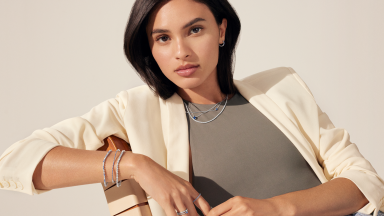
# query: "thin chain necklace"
x,y
203,112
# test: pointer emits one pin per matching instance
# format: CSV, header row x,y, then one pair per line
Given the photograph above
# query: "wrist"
x,y
130,164
282,206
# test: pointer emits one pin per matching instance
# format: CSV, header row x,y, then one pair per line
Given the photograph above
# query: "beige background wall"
x,y
58,59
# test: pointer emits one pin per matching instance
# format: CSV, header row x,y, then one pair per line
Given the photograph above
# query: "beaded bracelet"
x,y
113,165
105,183
117,169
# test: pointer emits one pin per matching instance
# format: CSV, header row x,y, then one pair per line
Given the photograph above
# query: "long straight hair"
x,y
138,53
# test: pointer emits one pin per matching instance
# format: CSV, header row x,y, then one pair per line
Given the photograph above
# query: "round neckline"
x,y
197,104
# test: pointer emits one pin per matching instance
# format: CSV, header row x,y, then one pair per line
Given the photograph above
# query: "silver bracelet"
x,y
117,169
105,183
113,165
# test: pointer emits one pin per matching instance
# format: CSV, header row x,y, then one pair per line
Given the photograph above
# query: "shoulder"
x,y
289,92
280,79
141,95
136,93
141,89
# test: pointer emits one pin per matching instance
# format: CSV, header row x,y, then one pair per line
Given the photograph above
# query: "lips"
x,y
186,70
182,67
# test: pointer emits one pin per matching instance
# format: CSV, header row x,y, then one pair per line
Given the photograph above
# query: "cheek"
x,y
208,52
162,57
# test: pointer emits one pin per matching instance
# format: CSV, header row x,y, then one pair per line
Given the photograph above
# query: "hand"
x,y
239,205
168,189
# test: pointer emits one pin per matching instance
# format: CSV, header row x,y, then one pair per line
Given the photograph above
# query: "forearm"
x,y
339,196
66,167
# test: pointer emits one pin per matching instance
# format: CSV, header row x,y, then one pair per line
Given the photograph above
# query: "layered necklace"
x,y
214,108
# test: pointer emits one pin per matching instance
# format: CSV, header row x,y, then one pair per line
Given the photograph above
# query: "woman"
x,y
185,57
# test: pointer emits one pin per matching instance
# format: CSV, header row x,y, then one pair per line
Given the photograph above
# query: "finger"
x,y
191,207
179,204
168,206
202,204
170,210
232,212
222,208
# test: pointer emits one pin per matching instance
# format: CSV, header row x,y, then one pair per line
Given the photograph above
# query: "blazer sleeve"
x,y
340,158
18,162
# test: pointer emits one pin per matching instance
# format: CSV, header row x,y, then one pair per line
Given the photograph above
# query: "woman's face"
x,y
185,32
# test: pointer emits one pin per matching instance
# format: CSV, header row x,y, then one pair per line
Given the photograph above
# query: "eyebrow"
x,y
185,26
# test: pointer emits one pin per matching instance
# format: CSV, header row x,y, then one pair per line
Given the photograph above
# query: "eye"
x,y
162,38
196,30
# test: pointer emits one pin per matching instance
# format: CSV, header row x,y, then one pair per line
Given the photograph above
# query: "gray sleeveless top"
x,y
242,153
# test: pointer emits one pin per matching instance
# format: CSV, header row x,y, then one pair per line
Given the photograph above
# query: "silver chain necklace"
x,y
203,112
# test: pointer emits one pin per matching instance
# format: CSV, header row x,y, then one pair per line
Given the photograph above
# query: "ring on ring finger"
x,y
183,212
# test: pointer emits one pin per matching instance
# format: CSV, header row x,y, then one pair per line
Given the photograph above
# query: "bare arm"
x,y
339,196
66,167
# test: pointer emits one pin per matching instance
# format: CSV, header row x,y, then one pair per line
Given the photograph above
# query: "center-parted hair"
x,y
137,50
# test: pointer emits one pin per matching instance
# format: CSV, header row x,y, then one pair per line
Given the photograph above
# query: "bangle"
x,y
117,169
113,165
105,183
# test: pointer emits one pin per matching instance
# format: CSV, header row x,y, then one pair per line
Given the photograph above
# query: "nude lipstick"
x,y
186,70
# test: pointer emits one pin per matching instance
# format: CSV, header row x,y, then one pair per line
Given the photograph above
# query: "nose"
x,y
182,49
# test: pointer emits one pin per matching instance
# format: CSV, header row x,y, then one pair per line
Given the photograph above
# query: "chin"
x,y
188,83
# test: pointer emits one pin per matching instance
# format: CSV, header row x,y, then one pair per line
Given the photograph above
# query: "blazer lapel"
x,y
175,129
176,135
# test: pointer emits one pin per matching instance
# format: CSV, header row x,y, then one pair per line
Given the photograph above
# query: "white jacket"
x,y
158,129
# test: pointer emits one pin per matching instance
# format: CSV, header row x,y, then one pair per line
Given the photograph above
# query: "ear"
x,y
222,29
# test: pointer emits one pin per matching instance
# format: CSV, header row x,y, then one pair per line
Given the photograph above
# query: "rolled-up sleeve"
x,y
18,162
340,158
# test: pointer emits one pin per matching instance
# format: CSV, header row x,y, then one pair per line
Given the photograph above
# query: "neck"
x,y
201,97
206,93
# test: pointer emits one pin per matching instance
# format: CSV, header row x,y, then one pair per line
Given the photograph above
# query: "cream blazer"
x,y
158,129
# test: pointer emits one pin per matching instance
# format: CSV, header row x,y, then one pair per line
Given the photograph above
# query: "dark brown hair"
x,y
136,46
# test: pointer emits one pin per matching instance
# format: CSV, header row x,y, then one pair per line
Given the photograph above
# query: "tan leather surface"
x,y
140,210
126,196
128,199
